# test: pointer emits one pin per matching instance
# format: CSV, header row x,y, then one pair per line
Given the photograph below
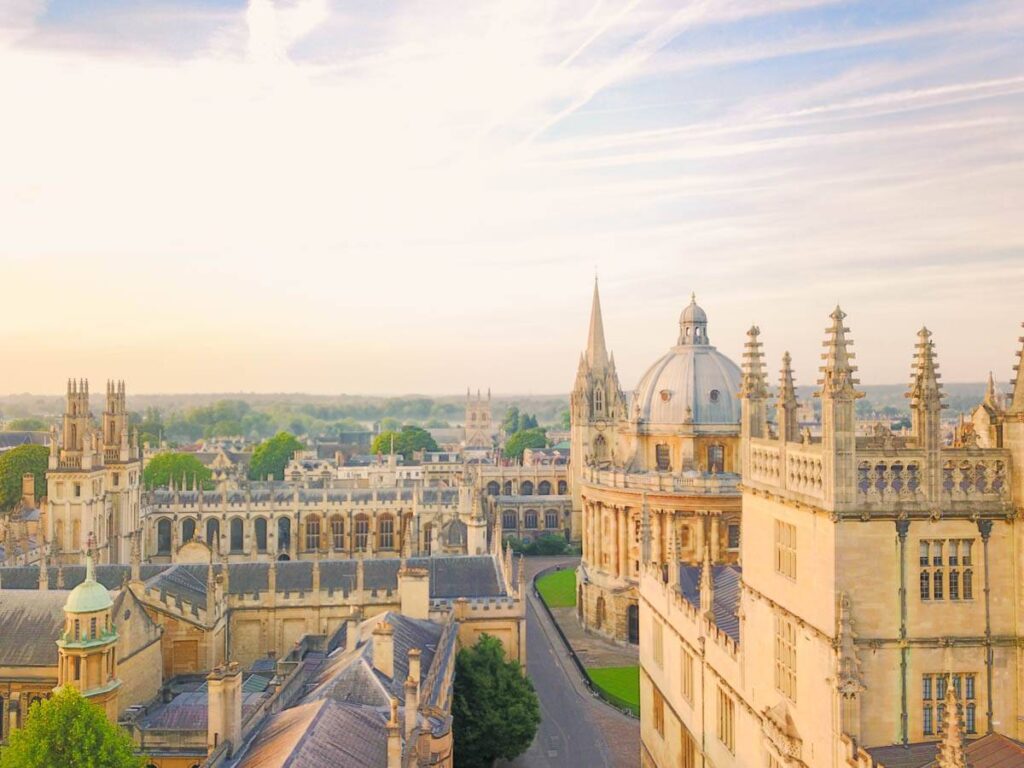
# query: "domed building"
x,y
662,461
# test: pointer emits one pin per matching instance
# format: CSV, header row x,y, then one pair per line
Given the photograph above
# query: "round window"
x,y
714,395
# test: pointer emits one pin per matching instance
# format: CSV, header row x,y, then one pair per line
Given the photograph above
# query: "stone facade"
x,y
879,578
664,461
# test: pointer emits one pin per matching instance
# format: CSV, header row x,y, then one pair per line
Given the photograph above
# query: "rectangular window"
x,y
785,549
933,691
686,674
688,750
338,533
663,457
927,721
78,490
716,459
785,657
734,536
362,531
659,713
387,533
946,569
658,643
726,720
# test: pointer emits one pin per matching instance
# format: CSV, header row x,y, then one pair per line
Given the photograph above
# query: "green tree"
x,y
565,419
494,707
69,731
390,424
523,439
510,424
165,466
406,441
17,462
528,422
27,425
272,456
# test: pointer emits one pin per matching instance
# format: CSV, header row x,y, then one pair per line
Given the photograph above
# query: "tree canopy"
x,y
407,440
536,437
494,707
15,463
69,731
179,466
272,456
27,424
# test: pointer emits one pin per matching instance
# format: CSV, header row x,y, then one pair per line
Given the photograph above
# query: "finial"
x,y
837,372
753,385
951,748
925,390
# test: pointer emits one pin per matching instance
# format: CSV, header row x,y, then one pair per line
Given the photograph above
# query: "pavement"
x,y
577,730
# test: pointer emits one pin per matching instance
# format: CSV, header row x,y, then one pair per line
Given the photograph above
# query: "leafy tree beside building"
x,y
272,456
181,467
406,441
17,462
525,438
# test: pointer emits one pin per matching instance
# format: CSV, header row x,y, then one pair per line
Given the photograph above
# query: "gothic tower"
x,y
478,421
595,406
123,479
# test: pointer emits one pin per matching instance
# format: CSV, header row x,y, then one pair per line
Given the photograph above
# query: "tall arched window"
x,y
544,488
551,519
386,525
493,489
508,488
508,520
526,488
530,519
598,400
716,459
284,533
188,529
213,534
563,488
312,533
237,534
362,531
163,537
338,532
600,448
260,529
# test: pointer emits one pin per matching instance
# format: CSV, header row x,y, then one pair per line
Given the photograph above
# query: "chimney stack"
x,y
394,738
224,707
384,649
412,692
28,490
414,591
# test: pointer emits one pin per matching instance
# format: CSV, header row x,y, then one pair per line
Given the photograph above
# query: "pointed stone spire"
x,y
597,351
838,379
991,395
752,383
789,428
951,749
1017,397
925,390
707,586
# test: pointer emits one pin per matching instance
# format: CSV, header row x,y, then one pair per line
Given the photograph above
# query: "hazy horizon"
x,y
314,196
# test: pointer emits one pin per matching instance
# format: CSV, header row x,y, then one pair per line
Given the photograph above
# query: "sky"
x,y
402,196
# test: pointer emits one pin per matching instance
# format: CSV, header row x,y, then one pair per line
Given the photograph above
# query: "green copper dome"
x,y
90,596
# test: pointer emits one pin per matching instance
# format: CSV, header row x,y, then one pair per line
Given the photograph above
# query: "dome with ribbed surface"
x,y
693,383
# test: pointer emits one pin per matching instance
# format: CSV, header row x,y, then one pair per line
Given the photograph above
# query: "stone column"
x,y
656,537
698,543
613,545
715,545
587,537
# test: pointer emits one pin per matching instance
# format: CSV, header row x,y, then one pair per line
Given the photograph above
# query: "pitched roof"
x,y
992,750
725,606
32,622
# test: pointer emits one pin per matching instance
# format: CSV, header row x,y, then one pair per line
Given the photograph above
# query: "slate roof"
x,y
32,621
320,734
726,582
188,711
990,751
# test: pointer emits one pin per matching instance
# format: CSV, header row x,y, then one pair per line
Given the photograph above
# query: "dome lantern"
x,y
693,324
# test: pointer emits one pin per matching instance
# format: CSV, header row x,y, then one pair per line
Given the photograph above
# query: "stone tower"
x,y
87,658
596,404
123,475
478,421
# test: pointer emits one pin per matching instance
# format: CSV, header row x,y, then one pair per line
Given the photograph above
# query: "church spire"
x,y
597,352
788,426
837,372
1017,395
951,748
925,390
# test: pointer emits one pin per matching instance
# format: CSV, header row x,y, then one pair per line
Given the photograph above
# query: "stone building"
x,y
94,482
479,431
664,460
878,599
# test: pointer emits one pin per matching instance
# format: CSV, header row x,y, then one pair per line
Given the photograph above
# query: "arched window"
x,y
78,630
526,488
213,534
600,448
284,533
362,532
386,532
598,400
544,488
338,532
716,459
260,527
163,537
493,488
530,519
508,488
237,534
508,520
563,488
599,613
551,519
92,628
188,529
312,533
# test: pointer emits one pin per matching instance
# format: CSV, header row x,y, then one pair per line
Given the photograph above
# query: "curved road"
x,y
573,724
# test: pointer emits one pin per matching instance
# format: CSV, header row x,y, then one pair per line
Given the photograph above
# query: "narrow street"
x,y
576,730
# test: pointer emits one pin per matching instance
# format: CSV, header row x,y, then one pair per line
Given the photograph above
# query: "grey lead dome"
x,y
693,383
